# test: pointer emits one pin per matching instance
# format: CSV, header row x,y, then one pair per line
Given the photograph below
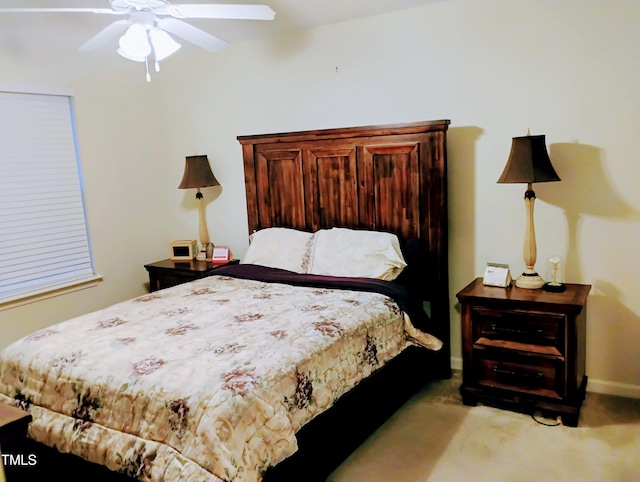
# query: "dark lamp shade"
x,y
528,162
197,173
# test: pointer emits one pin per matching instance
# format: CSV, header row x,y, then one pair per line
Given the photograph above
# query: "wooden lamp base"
x,y
530,281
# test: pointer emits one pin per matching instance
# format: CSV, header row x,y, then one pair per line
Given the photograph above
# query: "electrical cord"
x,y
558,420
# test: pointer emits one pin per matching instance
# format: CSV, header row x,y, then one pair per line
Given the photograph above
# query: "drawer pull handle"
x,y
514,331
513,373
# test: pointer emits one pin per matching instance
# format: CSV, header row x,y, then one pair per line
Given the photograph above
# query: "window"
x,y
44,242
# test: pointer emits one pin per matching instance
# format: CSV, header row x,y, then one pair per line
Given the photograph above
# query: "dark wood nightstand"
x,y
525,349
167,273
13,428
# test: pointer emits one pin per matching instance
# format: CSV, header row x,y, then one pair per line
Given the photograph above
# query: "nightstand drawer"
x,y
168,273
537,376
527,331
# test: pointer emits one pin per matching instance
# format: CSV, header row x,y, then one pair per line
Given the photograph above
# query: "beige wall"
x,y
567,69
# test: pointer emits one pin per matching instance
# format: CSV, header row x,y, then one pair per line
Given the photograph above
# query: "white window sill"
x,y
51,291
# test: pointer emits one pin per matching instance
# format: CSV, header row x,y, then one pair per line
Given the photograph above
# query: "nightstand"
x,y
525,349
13,428
167,273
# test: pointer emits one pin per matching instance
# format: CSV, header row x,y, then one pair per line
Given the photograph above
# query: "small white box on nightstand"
x,y
497,275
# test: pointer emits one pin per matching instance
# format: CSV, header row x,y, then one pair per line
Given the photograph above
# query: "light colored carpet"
x,y
434,437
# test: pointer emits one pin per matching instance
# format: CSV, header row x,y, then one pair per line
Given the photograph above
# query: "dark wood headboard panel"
x,y
387,178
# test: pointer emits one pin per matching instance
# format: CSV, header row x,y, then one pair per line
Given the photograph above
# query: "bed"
x,y
257,372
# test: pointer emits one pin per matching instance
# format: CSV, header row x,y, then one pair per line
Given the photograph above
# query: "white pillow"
x,y
282,248
357,254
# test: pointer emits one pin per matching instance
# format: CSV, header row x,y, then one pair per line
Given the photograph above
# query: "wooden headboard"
x,y
386,178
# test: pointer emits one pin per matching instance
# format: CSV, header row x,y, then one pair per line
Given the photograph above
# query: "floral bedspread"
x,y
204,381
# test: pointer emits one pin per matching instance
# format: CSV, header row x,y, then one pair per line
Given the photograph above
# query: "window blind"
x,y
44,242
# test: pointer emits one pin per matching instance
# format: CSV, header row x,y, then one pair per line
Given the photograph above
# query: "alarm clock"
x,y
184,250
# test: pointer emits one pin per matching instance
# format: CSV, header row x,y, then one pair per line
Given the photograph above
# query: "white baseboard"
x,y
613,388
595,386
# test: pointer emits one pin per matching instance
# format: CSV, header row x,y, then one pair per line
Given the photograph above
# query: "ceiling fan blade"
x,y
245,12
192,34
105,35
60,10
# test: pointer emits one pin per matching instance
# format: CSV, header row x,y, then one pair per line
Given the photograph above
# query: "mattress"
x,y
208,380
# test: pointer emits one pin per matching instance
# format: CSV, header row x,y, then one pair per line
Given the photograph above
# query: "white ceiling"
x,y
26,32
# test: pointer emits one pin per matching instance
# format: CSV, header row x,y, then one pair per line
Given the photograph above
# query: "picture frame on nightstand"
x,y
497,274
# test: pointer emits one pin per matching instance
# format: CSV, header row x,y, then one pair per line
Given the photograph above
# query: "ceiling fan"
x,y
149,23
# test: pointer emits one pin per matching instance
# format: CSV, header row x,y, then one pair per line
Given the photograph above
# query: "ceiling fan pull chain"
x,y
146,64
157,66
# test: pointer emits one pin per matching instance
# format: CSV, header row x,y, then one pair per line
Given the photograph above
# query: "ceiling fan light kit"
x,y
135,43
147,33
163,44
143,38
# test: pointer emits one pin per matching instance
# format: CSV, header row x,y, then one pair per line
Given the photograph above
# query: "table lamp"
x,y
198,174
528,163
